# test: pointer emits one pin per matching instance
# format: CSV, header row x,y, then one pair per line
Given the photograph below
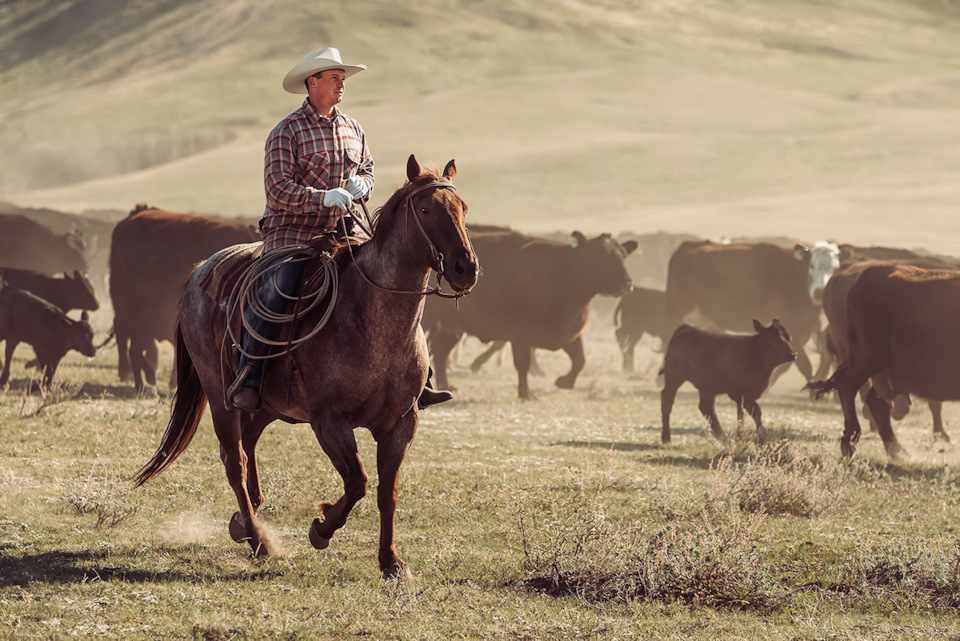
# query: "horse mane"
x,y
386,214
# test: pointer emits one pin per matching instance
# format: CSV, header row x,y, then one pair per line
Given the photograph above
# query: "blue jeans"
x,y
278,277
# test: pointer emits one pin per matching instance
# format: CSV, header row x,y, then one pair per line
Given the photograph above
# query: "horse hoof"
x,y
564,382
399,573
316,540
238,532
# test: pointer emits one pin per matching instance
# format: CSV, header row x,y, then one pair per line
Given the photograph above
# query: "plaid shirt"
x,y
306,155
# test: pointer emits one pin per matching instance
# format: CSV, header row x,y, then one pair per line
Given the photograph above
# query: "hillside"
x,y
715,118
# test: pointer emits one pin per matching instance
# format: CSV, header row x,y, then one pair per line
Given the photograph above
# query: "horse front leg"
x,y
337,440
577,360
391,448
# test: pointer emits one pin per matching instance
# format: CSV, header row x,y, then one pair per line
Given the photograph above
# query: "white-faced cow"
x,y
533,293
731,284
903,324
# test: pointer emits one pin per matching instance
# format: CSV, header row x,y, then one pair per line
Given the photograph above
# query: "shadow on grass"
x,y
120,391
62,567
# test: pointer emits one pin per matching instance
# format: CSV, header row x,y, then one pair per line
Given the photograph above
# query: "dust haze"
x,y
716,119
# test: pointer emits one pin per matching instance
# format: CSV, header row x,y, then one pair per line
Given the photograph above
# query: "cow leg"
x,y
244,526
338,443
803,360
442,343
577,360
392,446
738,401
753,407
123,352
479,361
881,413
142,352
707,402
627,343
865,409
49,369
936,411
521,360
8,356
667,397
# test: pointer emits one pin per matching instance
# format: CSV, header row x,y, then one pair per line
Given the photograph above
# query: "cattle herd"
x,y
731,315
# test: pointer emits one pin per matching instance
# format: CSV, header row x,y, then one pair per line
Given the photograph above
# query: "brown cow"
x,y
69,292
152,253
640,311
835,344
25,318
534,293
903,323
731,284
738,366
26,244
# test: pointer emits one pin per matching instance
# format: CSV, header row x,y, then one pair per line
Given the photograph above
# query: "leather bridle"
x,y
436,253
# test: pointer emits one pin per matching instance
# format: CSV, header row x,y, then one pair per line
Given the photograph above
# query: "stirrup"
x,y
237,382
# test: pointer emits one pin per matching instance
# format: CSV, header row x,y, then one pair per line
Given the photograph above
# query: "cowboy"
x,y
317,163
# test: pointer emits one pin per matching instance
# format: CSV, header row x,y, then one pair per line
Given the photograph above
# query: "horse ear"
x,y
413,168
66,275
450,171
758,326
84,317
577,239
77,275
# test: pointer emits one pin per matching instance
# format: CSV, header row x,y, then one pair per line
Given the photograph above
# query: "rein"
x,y
437,254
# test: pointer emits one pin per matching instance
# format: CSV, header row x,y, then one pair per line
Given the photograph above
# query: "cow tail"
x,y
189,402
822,388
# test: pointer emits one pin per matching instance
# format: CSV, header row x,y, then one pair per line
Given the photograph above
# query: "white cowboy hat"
x,y
326,58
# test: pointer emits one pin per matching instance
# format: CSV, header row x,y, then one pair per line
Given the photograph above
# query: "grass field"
x,y
563,517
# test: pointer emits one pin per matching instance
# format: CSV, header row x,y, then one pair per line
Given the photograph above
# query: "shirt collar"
x,y
309,109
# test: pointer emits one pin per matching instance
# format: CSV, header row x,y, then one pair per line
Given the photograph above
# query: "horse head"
x,y
433,213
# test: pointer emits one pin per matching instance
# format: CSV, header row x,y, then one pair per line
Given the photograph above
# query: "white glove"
x,y
339,198
357,187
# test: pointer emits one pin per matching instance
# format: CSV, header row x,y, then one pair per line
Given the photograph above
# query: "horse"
x,y
365,367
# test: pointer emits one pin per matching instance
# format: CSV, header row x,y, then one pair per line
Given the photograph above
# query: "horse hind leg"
x,y
244,526
251,430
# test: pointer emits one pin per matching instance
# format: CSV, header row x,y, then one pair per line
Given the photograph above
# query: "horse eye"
x,y
423,210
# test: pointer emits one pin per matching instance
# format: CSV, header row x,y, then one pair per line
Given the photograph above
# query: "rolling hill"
x,y
717,118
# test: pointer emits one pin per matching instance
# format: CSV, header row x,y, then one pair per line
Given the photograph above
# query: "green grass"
x,y
558,518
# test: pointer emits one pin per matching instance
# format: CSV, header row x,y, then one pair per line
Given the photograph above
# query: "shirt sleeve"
x,y
365,170
284,192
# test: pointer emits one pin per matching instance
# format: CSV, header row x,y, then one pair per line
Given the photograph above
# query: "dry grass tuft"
x,y
577,552
776,481
921,575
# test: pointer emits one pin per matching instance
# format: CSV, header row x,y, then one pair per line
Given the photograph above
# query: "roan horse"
x,y
366,367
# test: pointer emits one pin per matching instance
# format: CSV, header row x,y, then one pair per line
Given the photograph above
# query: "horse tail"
x,y
189,402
